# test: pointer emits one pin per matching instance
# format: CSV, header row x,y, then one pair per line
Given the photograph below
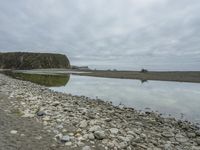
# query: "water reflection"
x,y
180,100
42,79
143,81
173,98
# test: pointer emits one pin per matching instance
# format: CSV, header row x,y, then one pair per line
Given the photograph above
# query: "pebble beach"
x,y
79,122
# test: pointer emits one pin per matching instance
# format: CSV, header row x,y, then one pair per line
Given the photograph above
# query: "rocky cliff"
x,y
24,60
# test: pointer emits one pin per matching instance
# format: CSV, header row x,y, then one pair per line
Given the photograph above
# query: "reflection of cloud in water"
x,y
166,97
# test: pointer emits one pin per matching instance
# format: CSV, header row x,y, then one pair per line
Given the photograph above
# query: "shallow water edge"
x,y
75,120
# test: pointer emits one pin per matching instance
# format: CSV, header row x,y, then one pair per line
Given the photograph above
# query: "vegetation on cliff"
x,y
24,60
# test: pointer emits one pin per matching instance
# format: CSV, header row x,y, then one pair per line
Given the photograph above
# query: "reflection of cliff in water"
x,y
143,81
42,79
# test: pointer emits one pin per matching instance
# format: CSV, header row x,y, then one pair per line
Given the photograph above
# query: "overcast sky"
x,y
121,34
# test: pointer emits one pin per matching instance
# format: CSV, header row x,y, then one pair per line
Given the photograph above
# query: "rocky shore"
x,y
78,122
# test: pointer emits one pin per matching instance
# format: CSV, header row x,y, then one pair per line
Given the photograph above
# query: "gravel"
x,y
77,122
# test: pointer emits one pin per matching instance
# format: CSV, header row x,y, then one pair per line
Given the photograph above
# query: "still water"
x,y
178,99
181,100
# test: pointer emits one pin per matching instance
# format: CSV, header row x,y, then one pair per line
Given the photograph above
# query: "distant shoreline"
x,y
177,76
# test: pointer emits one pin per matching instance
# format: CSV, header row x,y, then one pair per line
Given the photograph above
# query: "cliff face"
x,y
23,60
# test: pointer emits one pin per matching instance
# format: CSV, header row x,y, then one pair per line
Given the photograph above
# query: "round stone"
x,y
83,124
114,130
94,128
46,118
13,131
68,143
198,141
91,136
180,138
123,145
80,144
167,146
100,135
198,132
65,138
86,148
41,113
191,135
168,134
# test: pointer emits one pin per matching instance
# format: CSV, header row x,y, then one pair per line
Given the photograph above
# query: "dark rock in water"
x,y
25,60
41,113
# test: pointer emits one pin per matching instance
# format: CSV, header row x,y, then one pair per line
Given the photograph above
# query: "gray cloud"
x,y
123,34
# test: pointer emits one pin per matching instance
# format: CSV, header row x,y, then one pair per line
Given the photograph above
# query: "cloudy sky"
x,y
122,34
